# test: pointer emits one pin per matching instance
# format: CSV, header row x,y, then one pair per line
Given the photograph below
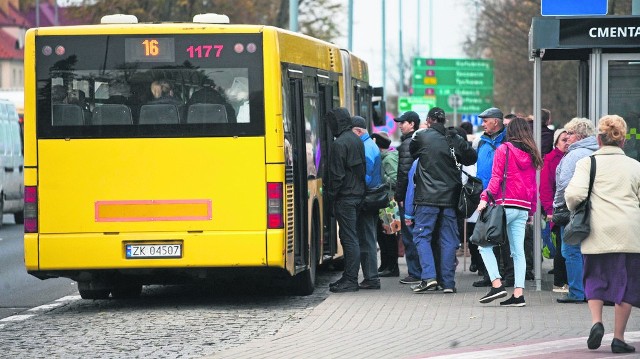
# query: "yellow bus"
x,y
163,152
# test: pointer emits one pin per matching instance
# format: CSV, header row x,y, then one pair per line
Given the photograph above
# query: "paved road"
x,y
20,291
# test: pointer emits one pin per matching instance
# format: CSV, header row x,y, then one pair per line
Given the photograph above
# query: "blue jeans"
x,y
425,223
516,222
573,261
410,251
346,212
367,222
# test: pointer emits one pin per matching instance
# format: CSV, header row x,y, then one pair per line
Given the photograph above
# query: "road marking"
x,y
42,308
17,318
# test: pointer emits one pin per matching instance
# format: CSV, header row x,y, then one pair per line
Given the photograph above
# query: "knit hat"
x,y
382,139
557,134
358,121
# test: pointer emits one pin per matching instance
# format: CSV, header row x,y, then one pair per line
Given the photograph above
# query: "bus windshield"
x,y
149,86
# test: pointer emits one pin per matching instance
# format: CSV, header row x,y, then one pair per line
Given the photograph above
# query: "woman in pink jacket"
x,y
520,156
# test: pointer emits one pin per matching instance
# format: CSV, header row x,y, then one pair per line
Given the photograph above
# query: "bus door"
x,y
326,137
298,147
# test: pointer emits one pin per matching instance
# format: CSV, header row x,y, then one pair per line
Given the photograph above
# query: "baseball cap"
x,y
409,116
492,112
437,114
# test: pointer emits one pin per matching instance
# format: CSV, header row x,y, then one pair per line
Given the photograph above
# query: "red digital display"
x,y
204,51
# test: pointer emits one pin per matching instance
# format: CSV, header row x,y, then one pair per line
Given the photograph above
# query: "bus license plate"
x,y
154,251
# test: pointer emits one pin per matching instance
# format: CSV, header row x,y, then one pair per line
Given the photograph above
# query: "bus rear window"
x,y
145,86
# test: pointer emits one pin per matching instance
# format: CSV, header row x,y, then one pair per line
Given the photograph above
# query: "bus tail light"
x,y
275,217
31,209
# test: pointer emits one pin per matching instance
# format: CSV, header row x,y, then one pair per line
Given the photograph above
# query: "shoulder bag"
x,y
561,215
376,198
579,225
470,192
491,226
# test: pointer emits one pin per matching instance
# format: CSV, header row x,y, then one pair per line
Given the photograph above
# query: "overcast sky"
x,y
450,23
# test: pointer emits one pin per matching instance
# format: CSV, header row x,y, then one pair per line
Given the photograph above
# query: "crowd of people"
x,y
423,175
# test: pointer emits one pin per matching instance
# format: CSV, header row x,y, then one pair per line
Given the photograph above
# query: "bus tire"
x,y
305,282
126,291
88,290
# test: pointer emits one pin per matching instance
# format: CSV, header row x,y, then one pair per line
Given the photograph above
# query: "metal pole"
x,y
418,29
55,9
37,13
400,63
430,28
384,46
537,134
293,15
350,46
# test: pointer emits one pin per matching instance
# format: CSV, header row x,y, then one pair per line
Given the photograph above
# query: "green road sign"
x,y
461,64
453,77
417,104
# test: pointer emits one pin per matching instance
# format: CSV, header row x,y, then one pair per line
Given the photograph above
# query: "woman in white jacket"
x,y
612,249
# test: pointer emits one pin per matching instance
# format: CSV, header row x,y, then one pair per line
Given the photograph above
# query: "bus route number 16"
x,y
201,51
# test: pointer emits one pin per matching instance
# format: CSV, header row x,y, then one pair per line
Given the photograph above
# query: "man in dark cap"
x,y
367,219
437,188
345,192
409,123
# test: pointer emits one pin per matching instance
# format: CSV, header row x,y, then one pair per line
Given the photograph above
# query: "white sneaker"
x,y
563,289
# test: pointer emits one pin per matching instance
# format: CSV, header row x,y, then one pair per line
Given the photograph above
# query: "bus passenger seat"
x,y
67,115
109,114
207,113
159,114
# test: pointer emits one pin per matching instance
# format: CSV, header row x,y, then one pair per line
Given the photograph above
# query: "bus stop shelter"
x,y
608,51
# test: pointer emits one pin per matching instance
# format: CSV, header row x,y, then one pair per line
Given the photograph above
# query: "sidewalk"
x,y
396,323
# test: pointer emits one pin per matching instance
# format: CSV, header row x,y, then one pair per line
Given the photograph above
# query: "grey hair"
x,y
582,127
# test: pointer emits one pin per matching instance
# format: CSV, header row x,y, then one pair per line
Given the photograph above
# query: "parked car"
x,y
11,163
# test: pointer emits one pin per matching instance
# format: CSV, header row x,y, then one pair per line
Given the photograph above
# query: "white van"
x,y
11,163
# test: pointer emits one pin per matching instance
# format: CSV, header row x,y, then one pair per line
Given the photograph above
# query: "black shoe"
x,y
567,299
618,346
344,286
424,285
507,283
482,283
595,336
369,284
494,294
473,268
339,281
410,280
389,273
551,271
514,302
529,276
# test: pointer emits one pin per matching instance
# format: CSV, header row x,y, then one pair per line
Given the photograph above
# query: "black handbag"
x,y
470,192
491,226
579,226
561,215
469,196
376,199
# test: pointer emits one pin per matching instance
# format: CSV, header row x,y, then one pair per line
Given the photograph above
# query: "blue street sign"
x,y
573,7
474,119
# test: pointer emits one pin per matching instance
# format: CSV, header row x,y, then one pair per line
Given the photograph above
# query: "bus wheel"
x,y
126,290
305,282
89,290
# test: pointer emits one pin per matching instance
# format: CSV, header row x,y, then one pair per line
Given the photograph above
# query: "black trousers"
x,y
388,244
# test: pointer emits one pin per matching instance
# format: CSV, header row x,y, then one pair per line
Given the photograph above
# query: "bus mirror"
x,y
379,113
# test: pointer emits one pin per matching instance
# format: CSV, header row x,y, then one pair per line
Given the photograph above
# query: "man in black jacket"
x,y
438,182
345,192
409,123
